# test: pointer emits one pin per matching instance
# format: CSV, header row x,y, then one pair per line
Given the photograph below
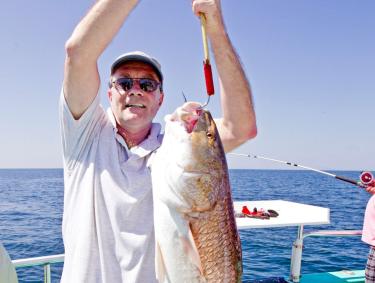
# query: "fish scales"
x,y
195,229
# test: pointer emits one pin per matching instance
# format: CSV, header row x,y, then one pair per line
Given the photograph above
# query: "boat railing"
x,y
44,261
296,259
333,233
295,266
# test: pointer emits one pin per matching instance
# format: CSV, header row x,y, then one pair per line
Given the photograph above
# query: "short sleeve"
x,y
78,134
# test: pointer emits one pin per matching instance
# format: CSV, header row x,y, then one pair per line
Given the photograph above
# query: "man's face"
x,y
134,109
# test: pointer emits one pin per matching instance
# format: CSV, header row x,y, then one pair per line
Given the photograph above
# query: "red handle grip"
x,y
208,77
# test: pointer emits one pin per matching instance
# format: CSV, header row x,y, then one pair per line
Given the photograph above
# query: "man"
x,y
108,223
368,233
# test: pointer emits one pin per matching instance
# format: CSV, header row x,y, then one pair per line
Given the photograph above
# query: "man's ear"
x,y
109,93
161,98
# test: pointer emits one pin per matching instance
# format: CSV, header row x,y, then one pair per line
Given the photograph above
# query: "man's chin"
x,y
134,119
133,113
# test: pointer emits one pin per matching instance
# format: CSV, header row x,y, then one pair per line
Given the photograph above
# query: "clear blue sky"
x,y
311,65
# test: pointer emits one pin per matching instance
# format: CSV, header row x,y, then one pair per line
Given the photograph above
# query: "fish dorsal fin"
x,y
191,250
161,273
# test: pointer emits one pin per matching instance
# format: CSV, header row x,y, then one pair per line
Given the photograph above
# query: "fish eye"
x,y
209,135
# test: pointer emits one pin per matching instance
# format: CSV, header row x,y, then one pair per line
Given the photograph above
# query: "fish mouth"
x,y
192,121
135,105
190,114
199,122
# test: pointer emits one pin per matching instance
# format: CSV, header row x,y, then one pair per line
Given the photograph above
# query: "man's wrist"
x,y
216,28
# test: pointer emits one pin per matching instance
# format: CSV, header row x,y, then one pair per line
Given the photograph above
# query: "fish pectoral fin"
x,y
191,250
192,215
160,265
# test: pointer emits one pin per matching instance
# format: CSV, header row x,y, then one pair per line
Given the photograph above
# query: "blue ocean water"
x,y
31,205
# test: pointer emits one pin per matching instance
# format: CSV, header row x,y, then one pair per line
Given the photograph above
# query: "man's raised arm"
x,y
89,39
238,123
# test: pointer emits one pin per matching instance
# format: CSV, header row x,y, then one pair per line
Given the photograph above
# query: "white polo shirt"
x,y
108,223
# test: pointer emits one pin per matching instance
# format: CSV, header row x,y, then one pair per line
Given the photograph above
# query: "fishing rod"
x,y
366,178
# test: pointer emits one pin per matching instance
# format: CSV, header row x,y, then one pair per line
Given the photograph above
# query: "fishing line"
x,y
365,178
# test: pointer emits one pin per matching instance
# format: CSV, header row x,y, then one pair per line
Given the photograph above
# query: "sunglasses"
x,y
125,84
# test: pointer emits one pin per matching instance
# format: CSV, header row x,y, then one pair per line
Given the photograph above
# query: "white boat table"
x,y
290,214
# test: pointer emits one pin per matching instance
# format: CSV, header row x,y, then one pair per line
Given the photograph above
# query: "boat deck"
x,y
349,276
344,276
